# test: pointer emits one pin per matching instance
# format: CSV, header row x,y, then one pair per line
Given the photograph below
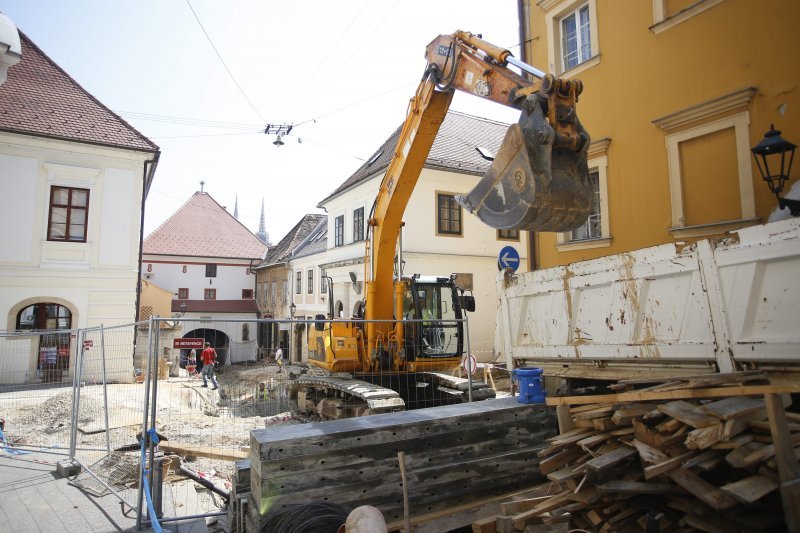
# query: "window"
x,y
323,281
210,294
298,284
572,42
508,234
338,231
211,271
285,291
183,294
310,284
591,229
576,45
595,232
358,224
54,348
448,220
68,213
273,293
247,294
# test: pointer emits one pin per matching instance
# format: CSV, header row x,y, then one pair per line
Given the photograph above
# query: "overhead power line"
x,y
223,62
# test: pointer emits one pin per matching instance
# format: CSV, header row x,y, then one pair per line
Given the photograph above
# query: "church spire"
x,y
236,208
262,234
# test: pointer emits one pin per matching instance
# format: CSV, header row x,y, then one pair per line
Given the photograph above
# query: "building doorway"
x,y
218,340
53,322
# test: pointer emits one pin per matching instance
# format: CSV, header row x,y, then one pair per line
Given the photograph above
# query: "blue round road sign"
x,y
509,258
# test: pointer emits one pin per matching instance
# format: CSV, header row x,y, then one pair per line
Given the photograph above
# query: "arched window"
x,y
44,316
53,346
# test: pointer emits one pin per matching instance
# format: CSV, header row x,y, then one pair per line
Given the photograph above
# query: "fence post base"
x,y
68,468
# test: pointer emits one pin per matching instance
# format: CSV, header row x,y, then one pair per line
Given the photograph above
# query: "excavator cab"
x,y
434,310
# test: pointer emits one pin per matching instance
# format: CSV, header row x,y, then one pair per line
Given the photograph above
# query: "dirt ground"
x,y
186,414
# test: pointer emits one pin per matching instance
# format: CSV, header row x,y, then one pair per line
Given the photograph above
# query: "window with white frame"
x,y
285,291
595,232
572,42
298,282
592,228
576,43
358,224
310,284
323,281
338,231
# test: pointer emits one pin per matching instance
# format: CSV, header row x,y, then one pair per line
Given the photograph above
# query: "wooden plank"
x,y
610,459
485,525
521,519
705,456
689,414
644,434
711,376
209,452
700,439
594,440
751,488
648,453
636,396
603,424
566,436
665,466
702,489
734,443
519,506
764,425
624,415
619,486
554,462
788,469
564,474
767,451
669,425
733,407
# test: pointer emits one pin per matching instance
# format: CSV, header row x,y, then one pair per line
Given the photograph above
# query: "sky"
x,y
203,78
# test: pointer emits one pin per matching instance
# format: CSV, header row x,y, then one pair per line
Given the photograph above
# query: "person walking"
x,y
279,358
209,356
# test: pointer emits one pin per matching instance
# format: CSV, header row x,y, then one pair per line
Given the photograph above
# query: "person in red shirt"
x,y
209,356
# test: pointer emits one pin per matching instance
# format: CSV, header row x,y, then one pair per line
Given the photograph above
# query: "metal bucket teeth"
x,y
530,185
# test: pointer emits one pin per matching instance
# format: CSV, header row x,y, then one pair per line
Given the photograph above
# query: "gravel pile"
x,y
53,414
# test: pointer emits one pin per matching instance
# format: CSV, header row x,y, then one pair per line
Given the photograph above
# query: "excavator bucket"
x,y
531,185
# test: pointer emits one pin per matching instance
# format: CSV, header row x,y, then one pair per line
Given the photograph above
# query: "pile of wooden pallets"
x,y
713,454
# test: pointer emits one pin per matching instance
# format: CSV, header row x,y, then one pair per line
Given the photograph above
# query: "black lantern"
x,y
777,153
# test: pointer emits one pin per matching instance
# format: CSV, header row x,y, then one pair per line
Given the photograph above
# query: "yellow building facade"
x,y
676,92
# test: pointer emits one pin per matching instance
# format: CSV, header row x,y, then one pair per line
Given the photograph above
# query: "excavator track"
x,y
334,397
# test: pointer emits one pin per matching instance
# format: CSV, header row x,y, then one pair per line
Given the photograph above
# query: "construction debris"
x,y
676,455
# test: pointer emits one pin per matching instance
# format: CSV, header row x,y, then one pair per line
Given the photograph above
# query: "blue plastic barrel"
x,y
530,384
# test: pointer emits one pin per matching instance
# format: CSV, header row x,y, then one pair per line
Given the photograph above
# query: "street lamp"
x,y
292,309
773,150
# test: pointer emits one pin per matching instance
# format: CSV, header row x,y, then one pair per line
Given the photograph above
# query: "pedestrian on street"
x,y
209,357
279,358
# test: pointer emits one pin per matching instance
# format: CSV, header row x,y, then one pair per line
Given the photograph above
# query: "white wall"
x,y
97,279
168,273
474,252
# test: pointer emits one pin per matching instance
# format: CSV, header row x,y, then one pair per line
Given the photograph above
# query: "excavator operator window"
x,y
439,328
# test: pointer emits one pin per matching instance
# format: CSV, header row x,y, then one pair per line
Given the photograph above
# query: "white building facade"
x,y
438,237
70,226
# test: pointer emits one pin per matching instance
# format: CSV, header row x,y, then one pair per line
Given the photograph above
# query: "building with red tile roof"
x,y
205,256
74,177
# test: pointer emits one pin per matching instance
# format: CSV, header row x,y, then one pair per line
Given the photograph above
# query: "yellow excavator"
x,y
378,362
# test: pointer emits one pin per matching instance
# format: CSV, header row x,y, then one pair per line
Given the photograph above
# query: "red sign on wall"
x,y
187,343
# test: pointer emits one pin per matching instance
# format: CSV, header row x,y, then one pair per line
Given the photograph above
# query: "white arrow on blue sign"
x,y
509,258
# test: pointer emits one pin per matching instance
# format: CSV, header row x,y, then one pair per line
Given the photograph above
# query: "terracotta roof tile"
x,y
455,148
203,228
39,98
